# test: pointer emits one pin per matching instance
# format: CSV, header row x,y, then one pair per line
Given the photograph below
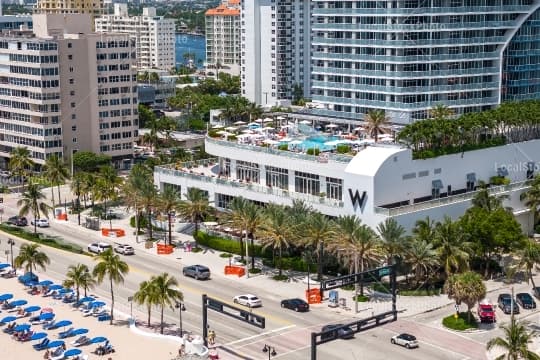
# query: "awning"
x,y
437,184
471,177
502,171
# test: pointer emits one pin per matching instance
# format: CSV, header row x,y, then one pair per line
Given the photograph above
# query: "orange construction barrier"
x,y
235,270
61,217
164,249
113,232
313,296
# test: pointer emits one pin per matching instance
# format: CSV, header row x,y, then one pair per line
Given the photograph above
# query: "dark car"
x,y
343,332
505,302
199,272
536,291
295,304
526,301
17,220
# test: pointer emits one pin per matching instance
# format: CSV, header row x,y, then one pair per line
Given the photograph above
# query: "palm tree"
x,y
424,229
531,197
31,258
515,342
451,245
440,112
196,206
422,257
376,121
77,187
56,171
169,200
107,183
276,231
79,276
135,189
20,162
32,202
528,258
146,296
488,202
112,267
165,292
317,231
466,287
392,238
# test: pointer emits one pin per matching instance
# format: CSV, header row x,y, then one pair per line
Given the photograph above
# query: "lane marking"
x,y
258,335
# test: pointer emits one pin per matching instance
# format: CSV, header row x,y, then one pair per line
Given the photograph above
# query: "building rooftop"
x,y
222,10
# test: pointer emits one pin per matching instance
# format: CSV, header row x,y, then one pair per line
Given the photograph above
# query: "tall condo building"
x,y
66,89
405,56
275,49
15,22
91,7
155,35
223,37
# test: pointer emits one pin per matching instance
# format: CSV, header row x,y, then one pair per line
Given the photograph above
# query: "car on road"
x,y
198,272
486,312
125,249
525,300
17,220
247,300
343,332
407,340
505,302
40,222
536,291
98,248
296,304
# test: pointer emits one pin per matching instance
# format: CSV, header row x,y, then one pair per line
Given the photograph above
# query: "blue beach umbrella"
x,y
86,299
19,303
55,287
45,283
55,343
98,340
22,327
31,283
5,297
32,309
72,352
80,331
38,336
98,304
63,323
64,291
46,316
4,265
8,319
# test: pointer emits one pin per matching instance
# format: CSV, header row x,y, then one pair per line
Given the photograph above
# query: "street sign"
x,y
366,277
384,272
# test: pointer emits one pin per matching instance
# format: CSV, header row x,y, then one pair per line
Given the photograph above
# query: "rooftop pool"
x,y
315,142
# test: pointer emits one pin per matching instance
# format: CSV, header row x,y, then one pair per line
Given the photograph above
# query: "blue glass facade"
x,y
406,56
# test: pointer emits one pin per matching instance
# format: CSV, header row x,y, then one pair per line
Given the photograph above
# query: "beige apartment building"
x,y
92,7
223,37
65,89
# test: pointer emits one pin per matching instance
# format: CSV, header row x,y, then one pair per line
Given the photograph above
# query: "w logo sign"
x,y
357,200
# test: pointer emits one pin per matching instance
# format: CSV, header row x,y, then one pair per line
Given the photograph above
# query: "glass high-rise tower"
x,y
406,56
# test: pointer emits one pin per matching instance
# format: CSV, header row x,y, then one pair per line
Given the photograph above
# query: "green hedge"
x,y
228,245
461,323
313,151
343,149
40,239
283,147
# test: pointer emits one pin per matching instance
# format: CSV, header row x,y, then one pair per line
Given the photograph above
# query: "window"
x,y
306,183
72,104
247,171
223,201
334,188
73,116
70,57
70,45
277,177
74,140
71,81
72,93
74,128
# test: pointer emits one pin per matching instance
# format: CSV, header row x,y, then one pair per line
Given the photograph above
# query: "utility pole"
x,y
247,255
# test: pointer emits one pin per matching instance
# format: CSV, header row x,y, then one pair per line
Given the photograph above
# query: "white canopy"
x,y
259,121
217,127
305,122
331,126
295,142
230,128
268,119
280,118
270,142
239,123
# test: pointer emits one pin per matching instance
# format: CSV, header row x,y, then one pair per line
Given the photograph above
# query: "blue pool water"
x,y
317,142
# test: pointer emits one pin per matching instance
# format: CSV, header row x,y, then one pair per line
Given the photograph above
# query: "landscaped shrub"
x,y
313,151
283,147
41,239
461,323
228,245
499,180
343,149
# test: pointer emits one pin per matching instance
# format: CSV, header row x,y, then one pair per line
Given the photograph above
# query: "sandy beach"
x,y
128,344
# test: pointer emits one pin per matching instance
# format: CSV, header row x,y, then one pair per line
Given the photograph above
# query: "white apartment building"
x,y
155,35
66,89
275,49
223,37
91,7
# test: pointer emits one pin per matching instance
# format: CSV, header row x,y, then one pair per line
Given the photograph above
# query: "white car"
x,y
407,340
247,300
40,222
125,249
98,248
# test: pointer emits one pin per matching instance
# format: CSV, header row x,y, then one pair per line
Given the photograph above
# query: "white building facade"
x,y
380,182
275,50
155,35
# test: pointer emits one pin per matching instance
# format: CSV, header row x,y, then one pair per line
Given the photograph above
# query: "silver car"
x,y
199,272
125,249
407,340
247,300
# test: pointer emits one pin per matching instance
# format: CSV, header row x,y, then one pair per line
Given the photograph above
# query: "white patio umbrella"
x,y
230,128
331,126
280,118
270,142
247,131
305,122
221,132
259,121
217,127
358,128
240,123
268,119
267,128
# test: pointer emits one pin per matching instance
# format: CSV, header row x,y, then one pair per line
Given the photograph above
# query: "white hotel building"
x,y
379,182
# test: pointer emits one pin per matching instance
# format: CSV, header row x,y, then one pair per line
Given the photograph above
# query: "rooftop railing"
x,y
494,190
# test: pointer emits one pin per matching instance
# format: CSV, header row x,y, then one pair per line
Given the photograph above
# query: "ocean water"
x,y
193,44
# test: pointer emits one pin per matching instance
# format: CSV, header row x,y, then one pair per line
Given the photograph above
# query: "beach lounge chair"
x,y
69,298
82,340
42,345
105,317
100,313
26,336
10,328
57,354
65,334
48,325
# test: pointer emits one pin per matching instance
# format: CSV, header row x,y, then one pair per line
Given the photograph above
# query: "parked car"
x,y
40,222
98,248
486,312
343,332
198,272
536,291
17,220
407,340
295,304
124,249
247,300
505,302
525,300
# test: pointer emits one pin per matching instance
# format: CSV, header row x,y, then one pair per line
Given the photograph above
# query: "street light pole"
x,y
356,283
181,307
270,350
11,242
247,256
130,299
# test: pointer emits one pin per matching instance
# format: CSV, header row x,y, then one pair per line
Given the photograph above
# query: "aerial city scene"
x,y
270,179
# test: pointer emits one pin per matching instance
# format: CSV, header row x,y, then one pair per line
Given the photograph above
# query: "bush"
x,y
461,323
227,245
361,298
291,263
226,255
57,243
283,147
313,151
196,249
343,149
421,292
499,180
280,277
254,271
